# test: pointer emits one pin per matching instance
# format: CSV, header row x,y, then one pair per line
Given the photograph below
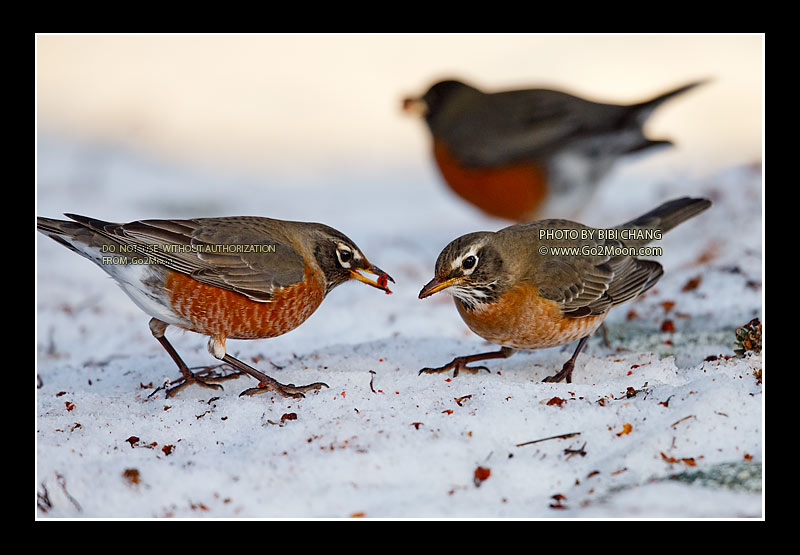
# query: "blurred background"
x,y
298,109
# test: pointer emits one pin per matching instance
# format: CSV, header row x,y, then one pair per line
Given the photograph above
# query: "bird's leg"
x,y
459,364
569,366
157,328
216,345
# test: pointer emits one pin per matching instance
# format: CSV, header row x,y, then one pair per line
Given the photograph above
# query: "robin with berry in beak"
x,y
228,278
526,154
534,285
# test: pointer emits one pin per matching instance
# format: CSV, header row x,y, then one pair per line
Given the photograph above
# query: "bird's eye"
x,y
344,256
469,262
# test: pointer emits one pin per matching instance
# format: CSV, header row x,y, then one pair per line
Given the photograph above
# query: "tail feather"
x,y
83,236
52,226
647,144
93,223
640,112
665,217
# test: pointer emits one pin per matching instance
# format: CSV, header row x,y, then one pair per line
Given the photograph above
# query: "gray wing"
x,y
590,284
523,125
247,255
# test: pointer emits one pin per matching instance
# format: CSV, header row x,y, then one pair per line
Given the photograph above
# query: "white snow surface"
x,y
383,441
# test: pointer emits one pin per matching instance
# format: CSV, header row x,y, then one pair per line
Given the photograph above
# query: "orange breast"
x,y
215,311
523,320
511,192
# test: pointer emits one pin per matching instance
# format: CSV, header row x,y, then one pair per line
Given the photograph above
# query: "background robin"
x,y
514,289
237,277
524,154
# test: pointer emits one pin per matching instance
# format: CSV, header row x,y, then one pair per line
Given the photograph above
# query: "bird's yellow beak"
x,y
415,106
380,283
436,284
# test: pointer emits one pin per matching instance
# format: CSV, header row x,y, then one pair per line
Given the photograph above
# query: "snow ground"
x,y
383,442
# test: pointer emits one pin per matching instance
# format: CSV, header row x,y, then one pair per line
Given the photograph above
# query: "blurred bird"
x,y
524,154
236,277
534,286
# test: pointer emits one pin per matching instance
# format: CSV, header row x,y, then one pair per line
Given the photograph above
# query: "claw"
x,y
456,365
171,392
204,378
265,383
284,390
460,363
565,372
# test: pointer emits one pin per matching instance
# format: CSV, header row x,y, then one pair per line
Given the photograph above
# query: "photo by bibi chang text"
x,y
601,234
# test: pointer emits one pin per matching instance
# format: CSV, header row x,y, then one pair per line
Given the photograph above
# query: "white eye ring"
x,y
467,265
342,250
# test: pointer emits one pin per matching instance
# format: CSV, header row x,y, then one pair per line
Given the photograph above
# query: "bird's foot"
x,y
205,377
564,374
458,364
284,390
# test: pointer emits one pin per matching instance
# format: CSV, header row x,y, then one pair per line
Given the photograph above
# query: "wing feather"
x,y
247,255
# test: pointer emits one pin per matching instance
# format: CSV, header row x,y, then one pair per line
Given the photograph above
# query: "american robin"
x,y
235,277
549,282
524,154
